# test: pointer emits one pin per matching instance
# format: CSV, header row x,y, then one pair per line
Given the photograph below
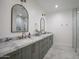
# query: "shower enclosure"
x,y
75,22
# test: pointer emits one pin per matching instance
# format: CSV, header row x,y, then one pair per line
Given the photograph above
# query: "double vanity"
x,y
29,48
34,47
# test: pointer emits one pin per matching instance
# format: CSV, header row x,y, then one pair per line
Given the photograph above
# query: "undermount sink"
x,y
7,45
39,34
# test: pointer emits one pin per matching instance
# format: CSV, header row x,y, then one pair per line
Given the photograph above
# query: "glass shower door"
x,y
75,23
74,28
78,30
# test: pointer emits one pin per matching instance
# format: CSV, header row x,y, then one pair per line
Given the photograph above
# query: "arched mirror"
x,y
42,24
19,19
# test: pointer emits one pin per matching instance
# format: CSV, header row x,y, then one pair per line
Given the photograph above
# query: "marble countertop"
x,y
13,45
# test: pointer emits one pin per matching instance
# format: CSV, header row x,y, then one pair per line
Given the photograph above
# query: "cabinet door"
x,y
35,51
44,45
19,54
26,52
51,38
13,55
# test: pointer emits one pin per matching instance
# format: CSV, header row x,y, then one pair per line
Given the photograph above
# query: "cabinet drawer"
x,y
44,43
26,52
35,51
13,55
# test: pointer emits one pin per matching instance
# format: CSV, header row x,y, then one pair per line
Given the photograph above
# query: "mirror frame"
x,y
12,19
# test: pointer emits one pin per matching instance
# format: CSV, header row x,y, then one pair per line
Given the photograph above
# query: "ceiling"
x,y
49,5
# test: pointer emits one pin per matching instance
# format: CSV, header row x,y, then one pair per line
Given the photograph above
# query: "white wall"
x,y
5,16
60,24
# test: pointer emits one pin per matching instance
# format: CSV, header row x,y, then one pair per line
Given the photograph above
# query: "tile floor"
x,y
61,52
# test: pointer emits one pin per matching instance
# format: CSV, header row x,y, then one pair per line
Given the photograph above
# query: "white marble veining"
x,y
10,46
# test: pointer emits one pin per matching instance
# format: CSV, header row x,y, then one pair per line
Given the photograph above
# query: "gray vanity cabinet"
x,y
35,51
26,52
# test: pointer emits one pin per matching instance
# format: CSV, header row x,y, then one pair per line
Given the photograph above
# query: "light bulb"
x,y
56,6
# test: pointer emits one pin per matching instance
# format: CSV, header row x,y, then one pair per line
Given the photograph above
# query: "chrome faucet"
x,y
23,35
